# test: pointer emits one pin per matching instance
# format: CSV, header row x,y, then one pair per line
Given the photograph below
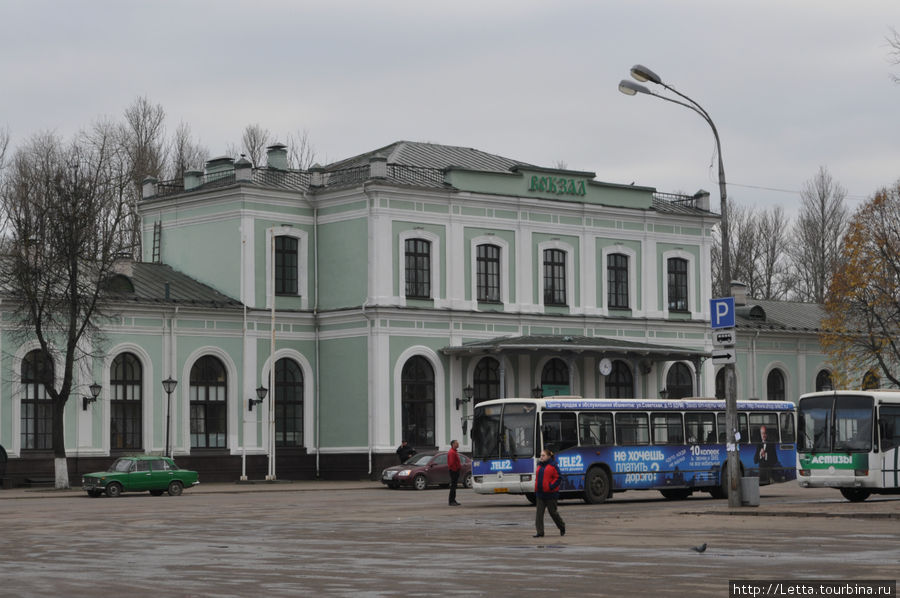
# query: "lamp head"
x,y
631,88
169,384
641,73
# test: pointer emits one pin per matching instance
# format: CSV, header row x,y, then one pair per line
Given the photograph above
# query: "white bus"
x,y
611,445
848,439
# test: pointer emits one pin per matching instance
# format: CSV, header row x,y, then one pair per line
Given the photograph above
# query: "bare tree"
x,y
817,235
185,152
742,238
143,140
254,142
774,280
4,145
64,211
893,41
301,152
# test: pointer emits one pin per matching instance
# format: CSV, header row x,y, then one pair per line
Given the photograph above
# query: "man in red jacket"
x,y
454,466
546,493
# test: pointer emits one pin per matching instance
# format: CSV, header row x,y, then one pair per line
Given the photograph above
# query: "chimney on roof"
x,y
149,188
701,200
192,179
243,169
378,167
276,156
219,167
739,292
316,175
123,264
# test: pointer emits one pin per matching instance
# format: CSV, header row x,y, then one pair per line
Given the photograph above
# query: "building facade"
x,y
381,297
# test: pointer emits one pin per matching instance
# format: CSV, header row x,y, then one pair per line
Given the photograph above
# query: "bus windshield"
x,y
503,431
841,423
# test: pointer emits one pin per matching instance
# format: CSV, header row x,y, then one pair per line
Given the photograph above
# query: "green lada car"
x,y
140,474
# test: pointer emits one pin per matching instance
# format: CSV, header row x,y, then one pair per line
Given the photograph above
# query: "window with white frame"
x,y
555,277
418,268
487,273
617,281
677,284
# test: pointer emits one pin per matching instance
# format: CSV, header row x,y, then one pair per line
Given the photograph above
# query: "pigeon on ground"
x,y
700,548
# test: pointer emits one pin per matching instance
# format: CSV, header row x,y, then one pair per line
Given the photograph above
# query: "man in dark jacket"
x,y
404,451
454,465
546,493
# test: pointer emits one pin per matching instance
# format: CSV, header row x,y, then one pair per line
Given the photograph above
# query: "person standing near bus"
x,y
454,466
546,493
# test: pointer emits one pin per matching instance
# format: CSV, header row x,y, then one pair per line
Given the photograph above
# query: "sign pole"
x,y
722,316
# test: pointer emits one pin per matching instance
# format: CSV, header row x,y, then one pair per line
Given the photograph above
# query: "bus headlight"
x,y
478,479
526,477
861,472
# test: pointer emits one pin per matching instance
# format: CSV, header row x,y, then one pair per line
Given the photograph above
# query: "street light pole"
x,y
643,74
169,385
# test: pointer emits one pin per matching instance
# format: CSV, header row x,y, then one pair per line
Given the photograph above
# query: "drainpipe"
x,y
316,320
369,352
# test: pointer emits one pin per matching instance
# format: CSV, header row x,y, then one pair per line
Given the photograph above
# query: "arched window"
x,y
37,408
679,381
620,382
775,385
720,384
487,273
417,402
486,380
286,261
871,381
125,410
555,378
823,381
209,407
418,268
288,403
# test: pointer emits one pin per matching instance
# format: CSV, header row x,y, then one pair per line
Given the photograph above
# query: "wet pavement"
x,y
360,539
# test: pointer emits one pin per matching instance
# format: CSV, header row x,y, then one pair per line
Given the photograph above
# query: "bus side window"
x,y
559,431
890,427
632,428
742,426
760,420
787,427
596,428
701,427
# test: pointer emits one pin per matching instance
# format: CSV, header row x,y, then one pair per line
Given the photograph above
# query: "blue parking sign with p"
x,y
721,312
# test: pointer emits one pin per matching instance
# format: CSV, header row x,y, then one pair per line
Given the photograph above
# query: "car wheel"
x,y
468,481
420,482
596,486
855,494
114,490
176,488
156,493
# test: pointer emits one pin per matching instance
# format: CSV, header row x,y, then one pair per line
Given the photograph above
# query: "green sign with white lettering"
x,y
836,460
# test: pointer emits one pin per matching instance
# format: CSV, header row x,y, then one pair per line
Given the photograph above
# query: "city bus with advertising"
x,y
848,440
605,446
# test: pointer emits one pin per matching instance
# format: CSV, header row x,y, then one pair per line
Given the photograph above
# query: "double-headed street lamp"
x,y
645,75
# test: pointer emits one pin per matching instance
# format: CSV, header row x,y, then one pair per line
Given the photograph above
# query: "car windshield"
x,y
420,460
121,465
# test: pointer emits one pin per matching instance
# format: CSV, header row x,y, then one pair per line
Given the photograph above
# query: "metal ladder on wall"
x,y
157,235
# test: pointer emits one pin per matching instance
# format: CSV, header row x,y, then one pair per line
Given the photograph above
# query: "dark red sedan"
x,y
426,469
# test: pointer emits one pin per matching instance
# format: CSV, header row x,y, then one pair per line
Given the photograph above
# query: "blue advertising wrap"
x,y
490,466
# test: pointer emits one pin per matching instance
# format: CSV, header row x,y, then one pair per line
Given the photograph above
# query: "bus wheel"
x,y
531,498
855,494
676,493
596,486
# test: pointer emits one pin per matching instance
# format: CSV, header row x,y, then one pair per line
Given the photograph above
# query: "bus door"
x,y
559,433
889,429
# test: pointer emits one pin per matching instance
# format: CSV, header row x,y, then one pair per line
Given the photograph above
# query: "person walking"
x,y
546,493
454,466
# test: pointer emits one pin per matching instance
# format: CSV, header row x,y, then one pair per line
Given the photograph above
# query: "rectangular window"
x,y
596,429
667,428
418,269
285,266
678,284
632,428
487,264
617,280
700,427
554,277
559,431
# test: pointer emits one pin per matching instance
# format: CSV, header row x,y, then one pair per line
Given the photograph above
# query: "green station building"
x,y
382,297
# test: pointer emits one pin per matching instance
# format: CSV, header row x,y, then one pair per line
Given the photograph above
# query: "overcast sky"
x,y
791,85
